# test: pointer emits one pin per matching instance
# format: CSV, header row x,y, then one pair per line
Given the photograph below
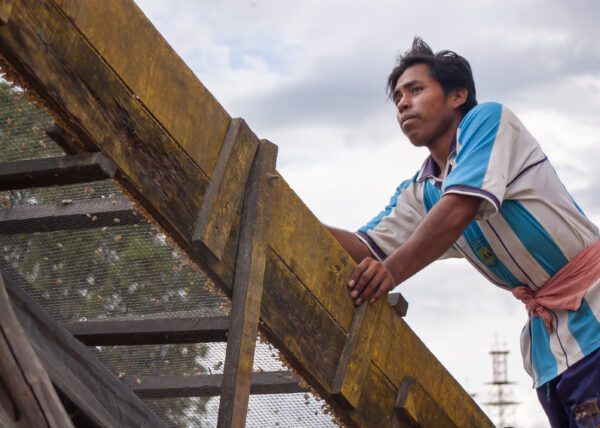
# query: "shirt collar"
x,y
430,169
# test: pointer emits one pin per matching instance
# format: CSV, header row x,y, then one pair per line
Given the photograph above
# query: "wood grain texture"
x,y
226,188
170,328
281,382
154,73
247,290
60,170
82,214
20,368
84,63
355,358
76,372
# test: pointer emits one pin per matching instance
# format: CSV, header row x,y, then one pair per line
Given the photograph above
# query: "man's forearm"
x,y
440,228
436,233
354,246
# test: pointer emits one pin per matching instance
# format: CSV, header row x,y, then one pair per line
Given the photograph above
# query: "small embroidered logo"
x,y
587,412
485,253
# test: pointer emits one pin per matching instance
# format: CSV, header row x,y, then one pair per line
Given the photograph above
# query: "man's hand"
x,y
370,279
440,228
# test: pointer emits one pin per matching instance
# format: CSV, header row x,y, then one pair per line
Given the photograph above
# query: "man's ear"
x,y
458,97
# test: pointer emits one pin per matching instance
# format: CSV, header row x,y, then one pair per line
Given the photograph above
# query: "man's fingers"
x,y
363,280
358,271
385,285
375,283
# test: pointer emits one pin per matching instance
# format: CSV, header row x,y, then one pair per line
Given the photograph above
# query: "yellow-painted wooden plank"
x,y
78,67
141,57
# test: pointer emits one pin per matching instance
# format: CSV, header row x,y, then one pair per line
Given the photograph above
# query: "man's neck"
x,y
440,148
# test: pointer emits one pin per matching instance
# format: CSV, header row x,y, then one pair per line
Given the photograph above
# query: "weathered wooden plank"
x,y
305,308
5,10
161,81
77,373
281,382
147,153
407,356
80,168
306,246
416,407
176,328
22,371
9,413
63,140
298,324
226,188
5,420
247,290
398,304
82,214
355,358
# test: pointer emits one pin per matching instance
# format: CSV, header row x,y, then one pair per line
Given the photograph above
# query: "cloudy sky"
x,y
310,76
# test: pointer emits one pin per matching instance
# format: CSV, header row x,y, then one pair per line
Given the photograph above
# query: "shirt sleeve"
x,y
483,160
394,225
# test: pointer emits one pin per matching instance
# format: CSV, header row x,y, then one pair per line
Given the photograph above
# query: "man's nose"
x,y
403,104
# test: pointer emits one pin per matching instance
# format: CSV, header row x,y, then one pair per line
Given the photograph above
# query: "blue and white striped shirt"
x,y
527,228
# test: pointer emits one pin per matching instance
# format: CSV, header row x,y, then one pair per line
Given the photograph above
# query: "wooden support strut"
x,y
226,188
356,355
82,214
205,385
21,370
247,290
59,170
416,408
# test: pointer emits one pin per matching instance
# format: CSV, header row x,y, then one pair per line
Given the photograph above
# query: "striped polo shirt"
x,y
527,227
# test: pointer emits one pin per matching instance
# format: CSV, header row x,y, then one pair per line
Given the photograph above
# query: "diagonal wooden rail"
x,y
113,81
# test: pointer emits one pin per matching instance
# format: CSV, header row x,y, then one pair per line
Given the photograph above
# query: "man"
x,y
489,194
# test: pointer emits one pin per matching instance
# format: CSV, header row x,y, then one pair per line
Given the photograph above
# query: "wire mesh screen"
x,y
83,253
23,127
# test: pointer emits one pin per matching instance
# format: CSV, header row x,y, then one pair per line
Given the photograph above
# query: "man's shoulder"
x,y
484,112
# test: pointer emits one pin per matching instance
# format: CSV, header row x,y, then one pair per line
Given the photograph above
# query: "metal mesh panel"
x,y
92,266
300,410
22,127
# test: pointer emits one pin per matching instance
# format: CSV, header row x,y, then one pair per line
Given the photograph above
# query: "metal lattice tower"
x,y
501,402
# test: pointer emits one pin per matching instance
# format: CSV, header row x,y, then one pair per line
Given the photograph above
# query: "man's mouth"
x,y
406,119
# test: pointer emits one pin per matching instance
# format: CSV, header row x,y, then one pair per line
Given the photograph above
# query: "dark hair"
x,y
448,68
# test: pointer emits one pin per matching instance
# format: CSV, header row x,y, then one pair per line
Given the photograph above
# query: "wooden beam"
x,y
62,138
176,328
76,372
282,382
398,304
20,368
82,214
247,290
416,406
136,108
5,11
356,356
59,170
226,188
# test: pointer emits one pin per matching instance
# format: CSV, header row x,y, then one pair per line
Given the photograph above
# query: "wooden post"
x,y
356,356
416,408
226,188
247,290
20,368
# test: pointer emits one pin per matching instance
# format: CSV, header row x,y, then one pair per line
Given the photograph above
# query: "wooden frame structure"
x,y
132,109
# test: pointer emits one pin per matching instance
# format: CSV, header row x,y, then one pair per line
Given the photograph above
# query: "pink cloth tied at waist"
x,y
565,290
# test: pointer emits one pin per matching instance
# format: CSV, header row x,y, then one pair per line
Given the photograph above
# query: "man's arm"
x,y
355,247
440,228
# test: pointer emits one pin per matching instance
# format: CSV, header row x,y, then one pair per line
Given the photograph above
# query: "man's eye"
x,y
416,89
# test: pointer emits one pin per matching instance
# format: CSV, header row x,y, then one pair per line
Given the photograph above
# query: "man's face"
x,y
424,112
